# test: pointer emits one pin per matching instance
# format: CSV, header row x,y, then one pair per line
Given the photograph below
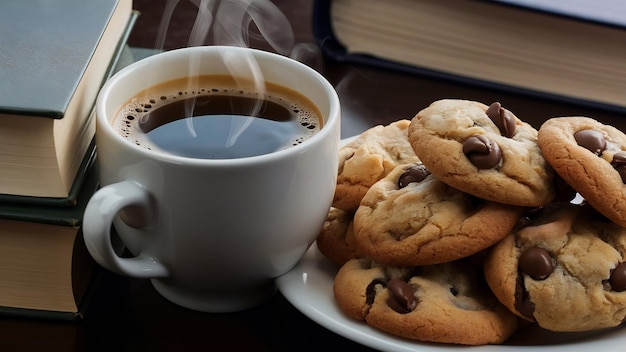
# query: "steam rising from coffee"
x,y
230,23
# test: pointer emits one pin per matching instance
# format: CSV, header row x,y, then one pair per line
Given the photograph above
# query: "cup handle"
x,y
97,221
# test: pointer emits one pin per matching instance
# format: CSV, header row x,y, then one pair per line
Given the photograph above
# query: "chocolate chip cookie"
x,y
368,158
591,157
412,218
336,239
446,303
482,150
564,269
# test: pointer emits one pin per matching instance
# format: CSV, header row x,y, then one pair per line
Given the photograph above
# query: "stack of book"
x,y
55,57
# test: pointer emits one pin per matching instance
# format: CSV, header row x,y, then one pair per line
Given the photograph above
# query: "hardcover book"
x,y
67,201
45,268
570,51
55,57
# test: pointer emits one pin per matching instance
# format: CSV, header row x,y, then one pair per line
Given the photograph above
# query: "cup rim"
x,y
331,124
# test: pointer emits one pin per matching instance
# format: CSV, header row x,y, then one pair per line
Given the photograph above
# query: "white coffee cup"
x,y
217,232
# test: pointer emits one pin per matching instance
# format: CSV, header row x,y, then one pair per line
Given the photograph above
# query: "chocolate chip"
x,y
619,164
536,262
415,173
402,298
370,291
591,140
482,152
503,118
545,214
618,278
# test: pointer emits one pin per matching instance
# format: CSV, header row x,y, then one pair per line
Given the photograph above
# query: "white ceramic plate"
x,y
309,287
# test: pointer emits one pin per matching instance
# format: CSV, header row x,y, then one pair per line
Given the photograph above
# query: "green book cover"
x,y
45,48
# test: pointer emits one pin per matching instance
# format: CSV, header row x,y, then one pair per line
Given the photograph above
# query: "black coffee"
x,y
216,120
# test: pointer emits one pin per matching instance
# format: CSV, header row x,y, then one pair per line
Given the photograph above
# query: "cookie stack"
x,y
456,225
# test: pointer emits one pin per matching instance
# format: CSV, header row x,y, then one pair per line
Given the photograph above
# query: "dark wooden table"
x,y
128,315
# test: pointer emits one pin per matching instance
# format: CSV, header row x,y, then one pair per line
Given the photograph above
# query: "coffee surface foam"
x,y
132,116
